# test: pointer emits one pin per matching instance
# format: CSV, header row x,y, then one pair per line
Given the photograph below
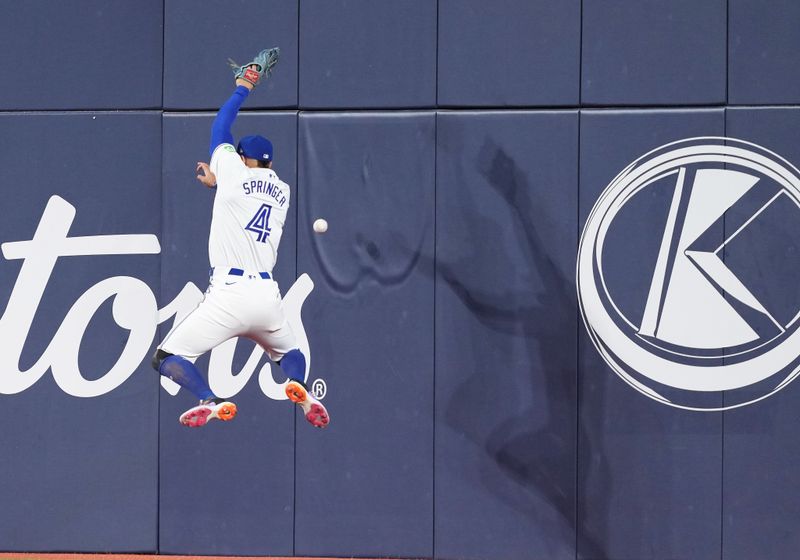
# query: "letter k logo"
x,y
695,300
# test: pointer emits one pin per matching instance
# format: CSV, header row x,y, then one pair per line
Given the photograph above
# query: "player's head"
x,y
255,151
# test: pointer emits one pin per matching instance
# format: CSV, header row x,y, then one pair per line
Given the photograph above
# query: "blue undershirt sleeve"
x,y
221,129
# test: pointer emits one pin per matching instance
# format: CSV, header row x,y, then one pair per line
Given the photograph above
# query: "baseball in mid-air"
x,y
320,225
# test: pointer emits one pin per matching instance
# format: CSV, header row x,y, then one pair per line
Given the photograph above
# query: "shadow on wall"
x,y
537,458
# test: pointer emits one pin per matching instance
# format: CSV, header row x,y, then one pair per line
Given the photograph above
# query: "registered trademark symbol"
x,y
319,388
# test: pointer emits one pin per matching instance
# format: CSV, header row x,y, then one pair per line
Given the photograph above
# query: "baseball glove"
x,y
264,61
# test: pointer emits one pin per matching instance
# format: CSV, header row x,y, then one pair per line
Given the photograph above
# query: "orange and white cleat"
x,y
208,410
314,411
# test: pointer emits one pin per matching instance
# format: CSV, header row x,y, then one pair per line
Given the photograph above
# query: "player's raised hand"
x,y
250,74
205,176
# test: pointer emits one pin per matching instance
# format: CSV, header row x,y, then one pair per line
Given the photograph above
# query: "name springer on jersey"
x,y
265,187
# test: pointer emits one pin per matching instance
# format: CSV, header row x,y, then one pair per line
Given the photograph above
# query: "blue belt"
x,y
240,272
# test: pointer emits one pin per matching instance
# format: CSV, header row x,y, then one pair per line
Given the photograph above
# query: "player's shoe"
x,y
315,412
208,410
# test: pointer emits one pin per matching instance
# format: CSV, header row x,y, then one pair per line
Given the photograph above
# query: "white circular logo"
x,y
676,274
319,389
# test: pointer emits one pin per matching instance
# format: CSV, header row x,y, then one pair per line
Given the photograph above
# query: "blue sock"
x,y
294,365
183,372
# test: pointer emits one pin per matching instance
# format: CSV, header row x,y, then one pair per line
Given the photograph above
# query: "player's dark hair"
x,y
263,164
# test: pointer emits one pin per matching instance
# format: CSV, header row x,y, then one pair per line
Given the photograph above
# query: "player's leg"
x,y
281,346
203,329
183,372
293,364
297,391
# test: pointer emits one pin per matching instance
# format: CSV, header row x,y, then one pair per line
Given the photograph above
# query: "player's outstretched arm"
x,y
221,128
247,76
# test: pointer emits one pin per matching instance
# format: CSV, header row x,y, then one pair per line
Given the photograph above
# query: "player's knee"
x,y
159,357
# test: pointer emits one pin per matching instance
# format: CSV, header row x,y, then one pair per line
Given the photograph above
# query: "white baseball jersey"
x,y
250,209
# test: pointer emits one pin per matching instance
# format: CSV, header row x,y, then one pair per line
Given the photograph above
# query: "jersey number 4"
x,y
259,224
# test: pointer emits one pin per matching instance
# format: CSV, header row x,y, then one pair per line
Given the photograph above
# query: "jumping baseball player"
x,y
250,207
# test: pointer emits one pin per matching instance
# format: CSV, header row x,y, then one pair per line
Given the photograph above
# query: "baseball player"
x,y
250,207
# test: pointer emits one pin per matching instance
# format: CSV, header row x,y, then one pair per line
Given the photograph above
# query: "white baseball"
x,y
320,225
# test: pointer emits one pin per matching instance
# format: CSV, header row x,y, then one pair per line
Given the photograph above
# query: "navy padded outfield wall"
x,y
372,175
106,54
757,438
194,34
532,38
661,465
79,473
506,333
458,149
653,53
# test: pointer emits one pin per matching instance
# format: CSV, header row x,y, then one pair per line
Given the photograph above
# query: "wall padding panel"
x,y
365,484
651,52
506,335
367,53
79,472
508,53
660,465
763,56
98,54
761,447
199,39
